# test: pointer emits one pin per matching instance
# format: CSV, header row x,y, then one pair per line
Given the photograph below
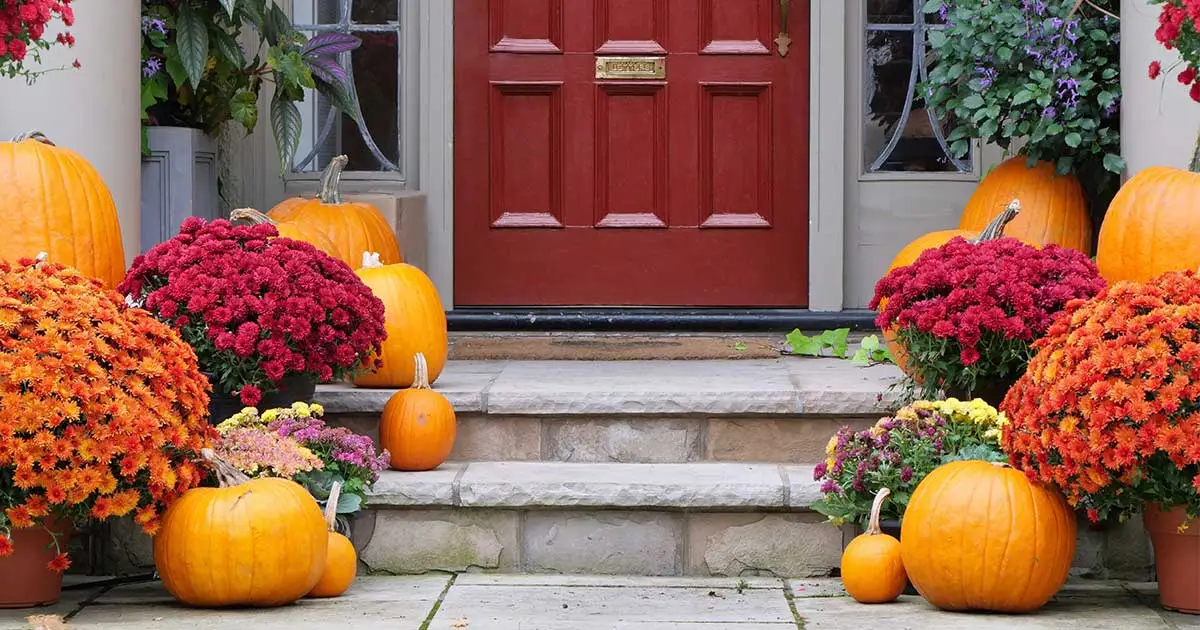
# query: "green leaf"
x,y
175,68
192,40
837,340
348,503
228,47
1022,97
1114,163
803,344
276,24
230,6
870,343
1073,140
973,101
244,108
286,125
740,346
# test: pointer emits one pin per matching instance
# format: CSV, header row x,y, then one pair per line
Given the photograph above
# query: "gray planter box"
x,y
179,180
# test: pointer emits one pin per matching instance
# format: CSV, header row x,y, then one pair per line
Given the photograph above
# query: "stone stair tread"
x,y
784,386
549,484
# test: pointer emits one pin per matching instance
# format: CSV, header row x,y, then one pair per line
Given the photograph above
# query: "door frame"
x,y
827,182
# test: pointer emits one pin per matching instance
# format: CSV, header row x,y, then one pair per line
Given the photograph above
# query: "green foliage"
x,y
937,361
196,74
1043,71
835,340
871,350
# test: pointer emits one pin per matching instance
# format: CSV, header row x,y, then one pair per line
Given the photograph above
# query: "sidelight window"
x,y
899,134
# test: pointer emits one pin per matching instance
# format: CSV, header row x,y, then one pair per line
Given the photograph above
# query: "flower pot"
x,y
293,388
992,391
889,527
179,180
25,579
1176,557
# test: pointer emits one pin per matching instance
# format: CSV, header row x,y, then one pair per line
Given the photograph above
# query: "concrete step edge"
x,y
713,486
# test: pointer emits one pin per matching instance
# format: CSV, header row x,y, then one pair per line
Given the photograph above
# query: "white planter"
x,y
179,180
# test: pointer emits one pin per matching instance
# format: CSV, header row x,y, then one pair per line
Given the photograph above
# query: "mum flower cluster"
x,y
966,311
1109,409
22,27
103,406
1177,30
260,453
342,455
899,451
258,308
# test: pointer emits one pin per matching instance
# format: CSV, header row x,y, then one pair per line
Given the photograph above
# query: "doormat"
x,y
566,347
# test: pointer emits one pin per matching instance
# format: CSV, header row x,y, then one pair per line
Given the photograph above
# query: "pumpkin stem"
x,y
421,376
250,215
370,260
876,506
1194,166
335,493
227,474
995,229
331,180
34,135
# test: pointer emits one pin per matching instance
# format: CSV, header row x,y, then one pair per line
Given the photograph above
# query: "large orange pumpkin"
x,y
418,426
352,227
978,535
251,542
872,570
54,201
341,561
1053,207
415,322
1151,226
913,251
287,229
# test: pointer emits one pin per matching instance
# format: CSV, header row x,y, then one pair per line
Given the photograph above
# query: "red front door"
x,y
578,189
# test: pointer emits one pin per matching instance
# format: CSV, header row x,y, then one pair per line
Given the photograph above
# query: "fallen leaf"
x,y
461,622
47,622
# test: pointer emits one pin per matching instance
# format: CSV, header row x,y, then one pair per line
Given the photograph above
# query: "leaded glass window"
x,y
899,134
377,75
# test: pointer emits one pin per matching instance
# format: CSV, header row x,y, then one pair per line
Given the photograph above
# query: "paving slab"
x,y
642,387
838,387
617,581
462,382
1095,610
372,603
613,607
70,600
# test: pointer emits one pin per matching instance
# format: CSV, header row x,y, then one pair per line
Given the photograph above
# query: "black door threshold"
x,y
655,319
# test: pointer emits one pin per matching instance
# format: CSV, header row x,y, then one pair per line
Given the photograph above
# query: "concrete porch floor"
x,y
526,602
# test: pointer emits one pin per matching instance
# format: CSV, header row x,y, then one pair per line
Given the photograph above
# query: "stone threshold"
x,y
783,386
709,486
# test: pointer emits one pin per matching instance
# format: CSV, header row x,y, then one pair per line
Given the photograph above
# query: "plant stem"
x,y
1194,166
331,180
876,507
995,229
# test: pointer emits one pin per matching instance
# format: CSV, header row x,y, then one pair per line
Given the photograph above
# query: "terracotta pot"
x,y
1176,557
25,580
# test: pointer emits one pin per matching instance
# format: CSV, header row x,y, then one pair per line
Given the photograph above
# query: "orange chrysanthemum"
x,y
104,407
1109,408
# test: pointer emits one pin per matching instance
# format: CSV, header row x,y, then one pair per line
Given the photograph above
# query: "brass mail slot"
x,y
631,67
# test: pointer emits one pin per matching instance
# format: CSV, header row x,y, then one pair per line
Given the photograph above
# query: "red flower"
x,y
60,563
6,546
265,307
1155,69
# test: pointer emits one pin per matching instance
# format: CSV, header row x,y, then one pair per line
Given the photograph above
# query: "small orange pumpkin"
x,y
415,322
979,535
418,425
352,227
1151,226
287,229
872,570
1054,207
55,201
913,251
341,561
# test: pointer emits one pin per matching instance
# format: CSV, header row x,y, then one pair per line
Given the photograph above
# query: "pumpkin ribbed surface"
x,y
418,427
981,536
54,201
415,321
1053,207
259,543
1151,227
872,570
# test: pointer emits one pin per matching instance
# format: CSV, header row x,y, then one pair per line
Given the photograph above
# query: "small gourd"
x,y
341,561
872,569
418,425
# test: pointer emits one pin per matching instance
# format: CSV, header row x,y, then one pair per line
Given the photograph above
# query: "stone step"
x,y
625,519
779,410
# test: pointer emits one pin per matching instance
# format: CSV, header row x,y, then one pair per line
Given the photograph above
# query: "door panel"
x,y
688,189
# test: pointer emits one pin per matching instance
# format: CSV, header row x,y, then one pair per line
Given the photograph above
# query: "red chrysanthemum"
x,y
257,307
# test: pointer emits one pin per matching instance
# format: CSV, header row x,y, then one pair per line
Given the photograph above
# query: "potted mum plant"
x,y
1109,411
102,409
295,443
897,453
268,316
966,312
